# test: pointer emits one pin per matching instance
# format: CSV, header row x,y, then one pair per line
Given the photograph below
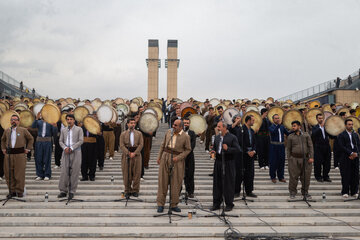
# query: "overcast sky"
x,y
227,49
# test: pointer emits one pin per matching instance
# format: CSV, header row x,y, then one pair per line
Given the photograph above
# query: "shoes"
x,y
345,195
319,180
273,180
211,174
282,180
228,208
83,179
307,196
46,179
13,194
236,195
116,151
135,194
71,196
214,208
355,195
262,168
160,209
28,159
176,209
251,195
292,197
62,195
1,179
337,168
201,142
20,195
327,180
266,167
111,159
38,178
207,151
101,168
56,166
142,179
92,179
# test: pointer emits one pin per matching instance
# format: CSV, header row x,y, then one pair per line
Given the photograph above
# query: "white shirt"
x,y
132,138
69,140
280,140
13,137
322,130
350,136
43,129
220,144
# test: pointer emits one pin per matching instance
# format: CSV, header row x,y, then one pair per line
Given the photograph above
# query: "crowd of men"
x,y
235,148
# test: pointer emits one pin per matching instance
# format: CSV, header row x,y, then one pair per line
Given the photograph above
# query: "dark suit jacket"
x,y
317,137
192,136
233,147
344,144
244,139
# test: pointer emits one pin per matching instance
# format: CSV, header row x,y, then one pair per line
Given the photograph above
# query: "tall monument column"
x,y
172,64
153,63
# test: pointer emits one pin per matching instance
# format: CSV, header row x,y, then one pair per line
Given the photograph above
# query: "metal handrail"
x,y
8,79
322,87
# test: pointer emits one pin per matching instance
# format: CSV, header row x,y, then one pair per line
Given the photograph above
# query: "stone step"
x,y
99,217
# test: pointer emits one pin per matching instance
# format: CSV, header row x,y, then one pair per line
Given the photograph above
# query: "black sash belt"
x,y
15,150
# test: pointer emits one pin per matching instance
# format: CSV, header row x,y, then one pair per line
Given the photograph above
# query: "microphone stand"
x,y
304,174
243,173
68,199
223,215
170,213
10,196
358,198
127,195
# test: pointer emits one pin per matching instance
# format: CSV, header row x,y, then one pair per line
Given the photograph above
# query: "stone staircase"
x,y
99,217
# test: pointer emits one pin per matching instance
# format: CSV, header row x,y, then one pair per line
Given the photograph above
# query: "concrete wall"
x,y
347,96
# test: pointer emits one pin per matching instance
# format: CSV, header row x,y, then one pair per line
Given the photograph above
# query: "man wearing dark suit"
x,y
189,160
263,141
277,149
349,146
322,150
248,144
226,146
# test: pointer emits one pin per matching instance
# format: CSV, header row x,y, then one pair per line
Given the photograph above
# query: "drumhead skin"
x,y
26,118
290,116
197,124
334,125
80,112
50,113
92,125
229,114
37,107
311,116
104,113
5,118
148,123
